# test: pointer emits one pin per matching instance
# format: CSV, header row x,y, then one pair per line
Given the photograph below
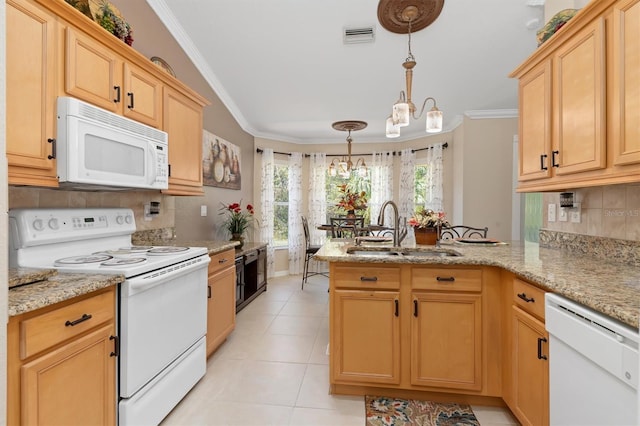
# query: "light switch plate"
x,y
551,213
576,213
562,215
203,210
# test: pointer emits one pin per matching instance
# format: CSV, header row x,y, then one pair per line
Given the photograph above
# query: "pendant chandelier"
x,y
403,16
344,166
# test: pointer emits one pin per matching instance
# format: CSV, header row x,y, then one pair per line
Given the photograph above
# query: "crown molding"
x,y
481,114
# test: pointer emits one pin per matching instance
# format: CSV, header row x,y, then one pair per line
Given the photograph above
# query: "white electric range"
x,y
162,301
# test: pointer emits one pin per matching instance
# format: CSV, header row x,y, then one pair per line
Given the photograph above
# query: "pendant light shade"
x,y
400,114
434,120
392,131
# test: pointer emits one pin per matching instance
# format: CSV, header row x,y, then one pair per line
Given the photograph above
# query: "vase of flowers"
x,y
236,220
426,225
351,201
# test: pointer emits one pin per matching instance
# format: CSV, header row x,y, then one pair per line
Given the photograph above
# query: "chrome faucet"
x,y
398,235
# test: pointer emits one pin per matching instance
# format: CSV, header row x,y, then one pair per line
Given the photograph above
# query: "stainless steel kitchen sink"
x,y
403,251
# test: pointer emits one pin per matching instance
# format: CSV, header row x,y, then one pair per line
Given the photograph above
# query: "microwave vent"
x,y
106,117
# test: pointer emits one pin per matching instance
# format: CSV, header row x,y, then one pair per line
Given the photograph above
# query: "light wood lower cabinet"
x,y
61,363
221,299
365,343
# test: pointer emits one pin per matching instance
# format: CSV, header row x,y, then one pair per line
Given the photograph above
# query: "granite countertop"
x,y
47,286
605,286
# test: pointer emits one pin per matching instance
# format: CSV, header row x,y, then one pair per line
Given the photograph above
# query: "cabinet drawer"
x,y
447,279
366,276
50,328
222,260
529,297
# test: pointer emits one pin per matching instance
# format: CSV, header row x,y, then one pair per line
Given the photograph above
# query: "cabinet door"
x,y
143,96
446,340
30,94
182,120
579,106
535,123
93,72
530,369
221,307
74,384
365,338
626,82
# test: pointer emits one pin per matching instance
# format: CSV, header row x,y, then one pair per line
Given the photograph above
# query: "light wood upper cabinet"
x,y
31,65
625,78
535,123
98,75
579,102
182,120
594,65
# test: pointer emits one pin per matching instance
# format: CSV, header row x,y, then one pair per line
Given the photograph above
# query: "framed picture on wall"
x,y
220,162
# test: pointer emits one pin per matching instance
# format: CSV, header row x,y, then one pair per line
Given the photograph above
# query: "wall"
x,y
606,211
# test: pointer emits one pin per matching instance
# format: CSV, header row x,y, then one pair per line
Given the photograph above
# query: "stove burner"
x,y
81,260
166,250
123,261
137,248
127,250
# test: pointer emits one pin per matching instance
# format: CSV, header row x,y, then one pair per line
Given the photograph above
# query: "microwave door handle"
x,y
152,164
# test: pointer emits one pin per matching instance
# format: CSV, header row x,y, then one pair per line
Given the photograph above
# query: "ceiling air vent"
x,y
359,35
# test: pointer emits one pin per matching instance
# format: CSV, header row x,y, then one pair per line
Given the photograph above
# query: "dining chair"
x,y
462,231
344,227
310,250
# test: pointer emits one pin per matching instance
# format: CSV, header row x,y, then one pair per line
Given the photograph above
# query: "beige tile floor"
x,y
274,370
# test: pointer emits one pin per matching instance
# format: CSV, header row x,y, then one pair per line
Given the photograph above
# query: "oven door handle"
x,y
145,282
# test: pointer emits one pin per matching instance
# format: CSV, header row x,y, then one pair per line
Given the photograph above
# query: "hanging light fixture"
x,y
403,16
344,166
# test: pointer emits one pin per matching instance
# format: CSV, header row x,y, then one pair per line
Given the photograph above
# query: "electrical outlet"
x,y
562,214
203,210
576,213
551,213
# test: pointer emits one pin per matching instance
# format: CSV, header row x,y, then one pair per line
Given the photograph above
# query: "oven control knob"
x,y
53,223
119,220
38,225
128,219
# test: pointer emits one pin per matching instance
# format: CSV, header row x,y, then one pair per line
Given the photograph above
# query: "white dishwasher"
x,y
593,366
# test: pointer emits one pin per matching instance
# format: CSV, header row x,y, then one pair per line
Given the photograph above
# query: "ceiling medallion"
x,y
394,15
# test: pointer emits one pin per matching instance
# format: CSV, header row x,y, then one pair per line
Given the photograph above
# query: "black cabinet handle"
x,y
130,94
223,260
208,292
116,346
415,308
169,170
540,341
553,158
542,158
396,303
83,318
371,279
53,143
446,279
117,89
524,297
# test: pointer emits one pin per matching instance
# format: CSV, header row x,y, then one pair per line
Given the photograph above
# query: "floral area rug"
x,y
383,411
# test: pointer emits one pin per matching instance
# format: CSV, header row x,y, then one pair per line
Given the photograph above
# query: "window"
x,y
420,185
281,205
355,183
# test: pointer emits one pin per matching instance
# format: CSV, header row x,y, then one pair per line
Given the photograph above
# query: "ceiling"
x,y
284,73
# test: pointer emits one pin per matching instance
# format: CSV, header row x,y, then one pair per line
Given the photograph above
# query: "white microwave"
x,y
97,150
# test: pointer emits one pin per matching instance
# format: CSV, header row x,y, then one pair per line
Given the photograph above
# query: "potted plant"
x,y
236,220
426,225
351,201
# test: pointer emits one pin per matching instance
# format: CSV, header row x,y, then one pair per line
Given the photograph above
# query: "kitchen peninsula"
x,y
468,327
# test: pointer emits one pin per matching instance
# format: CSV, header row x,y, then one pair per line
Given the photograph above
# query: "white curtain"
x,y
296,233
317,196
434,191
266,207
407,188
381,184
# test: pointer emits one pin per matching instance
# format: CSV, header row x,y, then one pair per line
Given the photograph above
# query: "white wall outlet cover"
x,y
576,216
562,215
551,212
203,210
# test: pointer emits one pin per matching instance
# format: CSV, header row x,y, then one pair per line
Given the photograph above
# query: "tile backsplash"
x,y
30,197
606,211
